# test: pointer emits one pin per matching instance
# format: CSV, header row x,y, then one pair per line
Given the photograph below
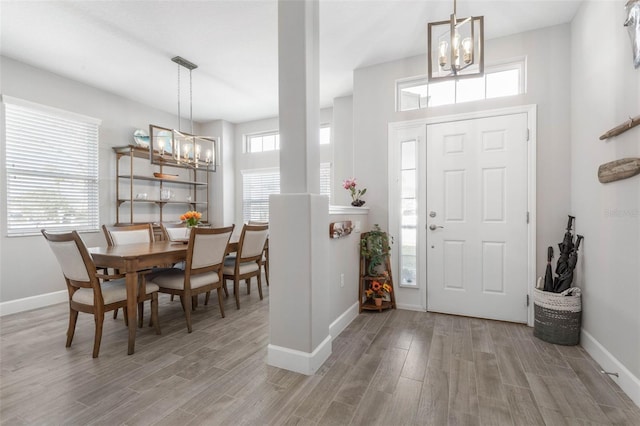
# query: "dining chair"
x,y
247,261
265,257
202,272
130,234
86,292
174,231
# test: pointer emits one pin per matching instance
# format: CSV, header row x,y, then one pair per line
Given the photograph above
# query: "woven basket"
x,y
558,317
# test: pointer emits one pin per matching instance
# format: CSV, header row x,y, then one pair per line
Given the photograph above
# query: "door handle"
x,y
434,227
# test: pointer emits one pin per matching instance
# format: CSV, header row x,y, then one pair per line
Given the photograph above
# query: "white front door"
x,y
477,239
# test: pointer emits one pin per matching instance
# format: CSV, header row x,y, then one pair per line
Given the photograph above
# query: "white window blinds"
x,y
257,185
52,169
256,188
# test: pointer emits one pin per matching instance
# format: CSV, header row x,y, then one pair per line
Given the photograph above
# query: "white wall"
x,y
222,210
264,160
547,86
342,139
120,118
605,92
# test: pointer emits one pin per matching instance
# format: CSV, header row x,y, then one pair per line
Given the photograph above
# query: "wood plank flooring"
x,y
391,368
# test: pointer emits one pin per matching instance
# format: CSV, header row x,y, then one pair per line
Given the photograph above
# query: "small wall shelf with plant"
x,y
376,281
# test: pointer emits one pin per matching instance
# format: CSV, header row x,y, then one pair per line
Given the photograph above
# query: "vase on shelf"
x,y
357,203
378,301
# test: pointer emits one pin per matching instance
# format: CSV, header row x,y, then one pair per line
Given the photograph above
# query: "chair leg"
x,y
220,301
126,317
194,302
224,286
259,285
187,310
172,297
99,320
140,314
73,319
266,266
248,282
236,291
182,302
115,314
206,298
154,312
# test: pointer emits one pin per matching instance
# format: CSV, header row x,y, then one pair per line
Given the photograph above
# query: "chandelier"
x,y
176,147
455,48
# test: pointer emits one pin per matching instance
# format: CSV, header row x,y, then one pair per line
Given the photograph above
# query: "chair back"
x,y
175,231
252,241
207,247
74,259
128,234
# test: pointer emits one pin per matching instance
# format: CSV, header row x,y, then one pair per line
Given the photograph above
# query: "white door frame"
x,y
418,127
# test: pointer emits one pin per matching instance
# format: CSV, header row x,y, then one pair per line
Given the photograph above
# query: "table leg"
x,y
132,308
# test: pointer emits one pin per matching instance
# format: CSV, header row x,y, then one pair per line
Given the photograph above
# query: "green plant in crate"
x,y
374,247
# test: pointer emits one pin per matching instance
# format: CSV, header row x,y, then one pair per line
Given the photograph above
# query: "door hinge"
x,y
527,217
527,300
527,135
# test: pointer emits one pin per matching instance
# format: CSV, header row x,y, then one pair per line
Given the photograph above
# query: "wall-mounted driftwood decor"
x,y
618,170
340,229
621,128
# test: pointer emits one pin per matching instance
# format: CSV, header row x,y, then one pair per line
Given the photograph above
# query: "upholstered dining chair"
x,y
130,234
202,272
265,257
174,231
247,261
86,292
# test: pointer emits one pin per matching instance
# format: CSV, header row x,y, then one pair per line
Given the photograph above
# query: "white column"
x,y
299,219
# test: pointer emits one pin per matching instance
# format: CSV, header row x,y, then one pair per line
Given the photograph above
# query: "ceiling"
x,y
125,47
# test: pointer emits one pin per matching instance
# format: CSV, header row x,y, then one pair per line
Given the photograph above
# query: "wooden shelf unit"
x,y
368,304
196,184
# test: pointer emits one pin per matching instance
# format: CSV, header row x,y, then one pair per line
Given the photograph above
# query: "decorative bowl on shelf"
x,y
141,138
165,176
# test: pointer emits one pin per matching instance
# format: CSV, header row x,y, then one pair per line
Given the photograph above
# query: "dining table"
x,y
131,259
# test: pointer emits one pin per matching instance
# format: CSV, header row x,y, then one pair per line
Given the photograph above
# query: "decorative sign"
x,y
340,229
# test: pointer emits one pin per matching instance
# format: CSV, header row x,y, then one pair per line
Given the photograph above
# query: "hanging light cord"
x,y
191,101
179,117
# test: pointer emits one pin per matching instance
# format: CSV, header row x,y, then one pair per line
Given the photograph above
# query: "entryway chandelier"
x,y
178,148
456,47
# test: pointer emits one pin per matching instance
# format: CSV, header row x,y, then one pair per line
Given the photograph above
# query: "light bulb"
x,y
456,49
467,50
443,53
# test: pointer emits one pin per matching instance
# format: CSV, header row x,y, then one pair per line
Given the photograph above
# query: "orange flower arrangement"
x,y
378,289
192,218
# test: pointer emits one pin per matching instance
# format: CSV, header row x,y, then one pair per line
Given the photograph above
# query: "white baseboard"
x,y
33,302
298,361
629,383
343,320
408,307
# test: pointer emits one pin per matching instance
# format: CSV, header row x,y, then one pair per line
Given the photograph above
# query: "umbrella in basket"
x,y
565,249
564,281
548,275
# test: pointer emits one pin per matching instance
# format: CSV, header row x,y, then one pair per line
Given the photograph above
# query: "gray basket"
x,y
558,316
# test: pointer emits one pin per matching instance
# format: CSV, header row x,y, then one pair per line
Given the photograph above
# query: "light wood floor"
x,y
392,368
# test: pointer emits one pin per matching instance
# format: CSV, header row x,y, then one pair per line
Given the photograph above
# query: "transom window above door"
x,y
507,79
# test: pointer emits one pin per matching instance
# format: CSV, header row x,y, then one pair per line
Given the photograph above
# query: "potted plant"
x,y
374,247
377,291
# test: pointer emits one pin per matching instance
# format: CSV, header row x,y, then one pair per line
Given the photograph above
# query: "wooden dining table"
x,y
131,259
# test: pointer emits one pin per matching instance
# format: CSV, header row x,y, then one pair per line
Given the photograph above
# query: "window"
x,y
499,80
52,169
325,134
270,141
257,185
256,188
263,142
409,213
